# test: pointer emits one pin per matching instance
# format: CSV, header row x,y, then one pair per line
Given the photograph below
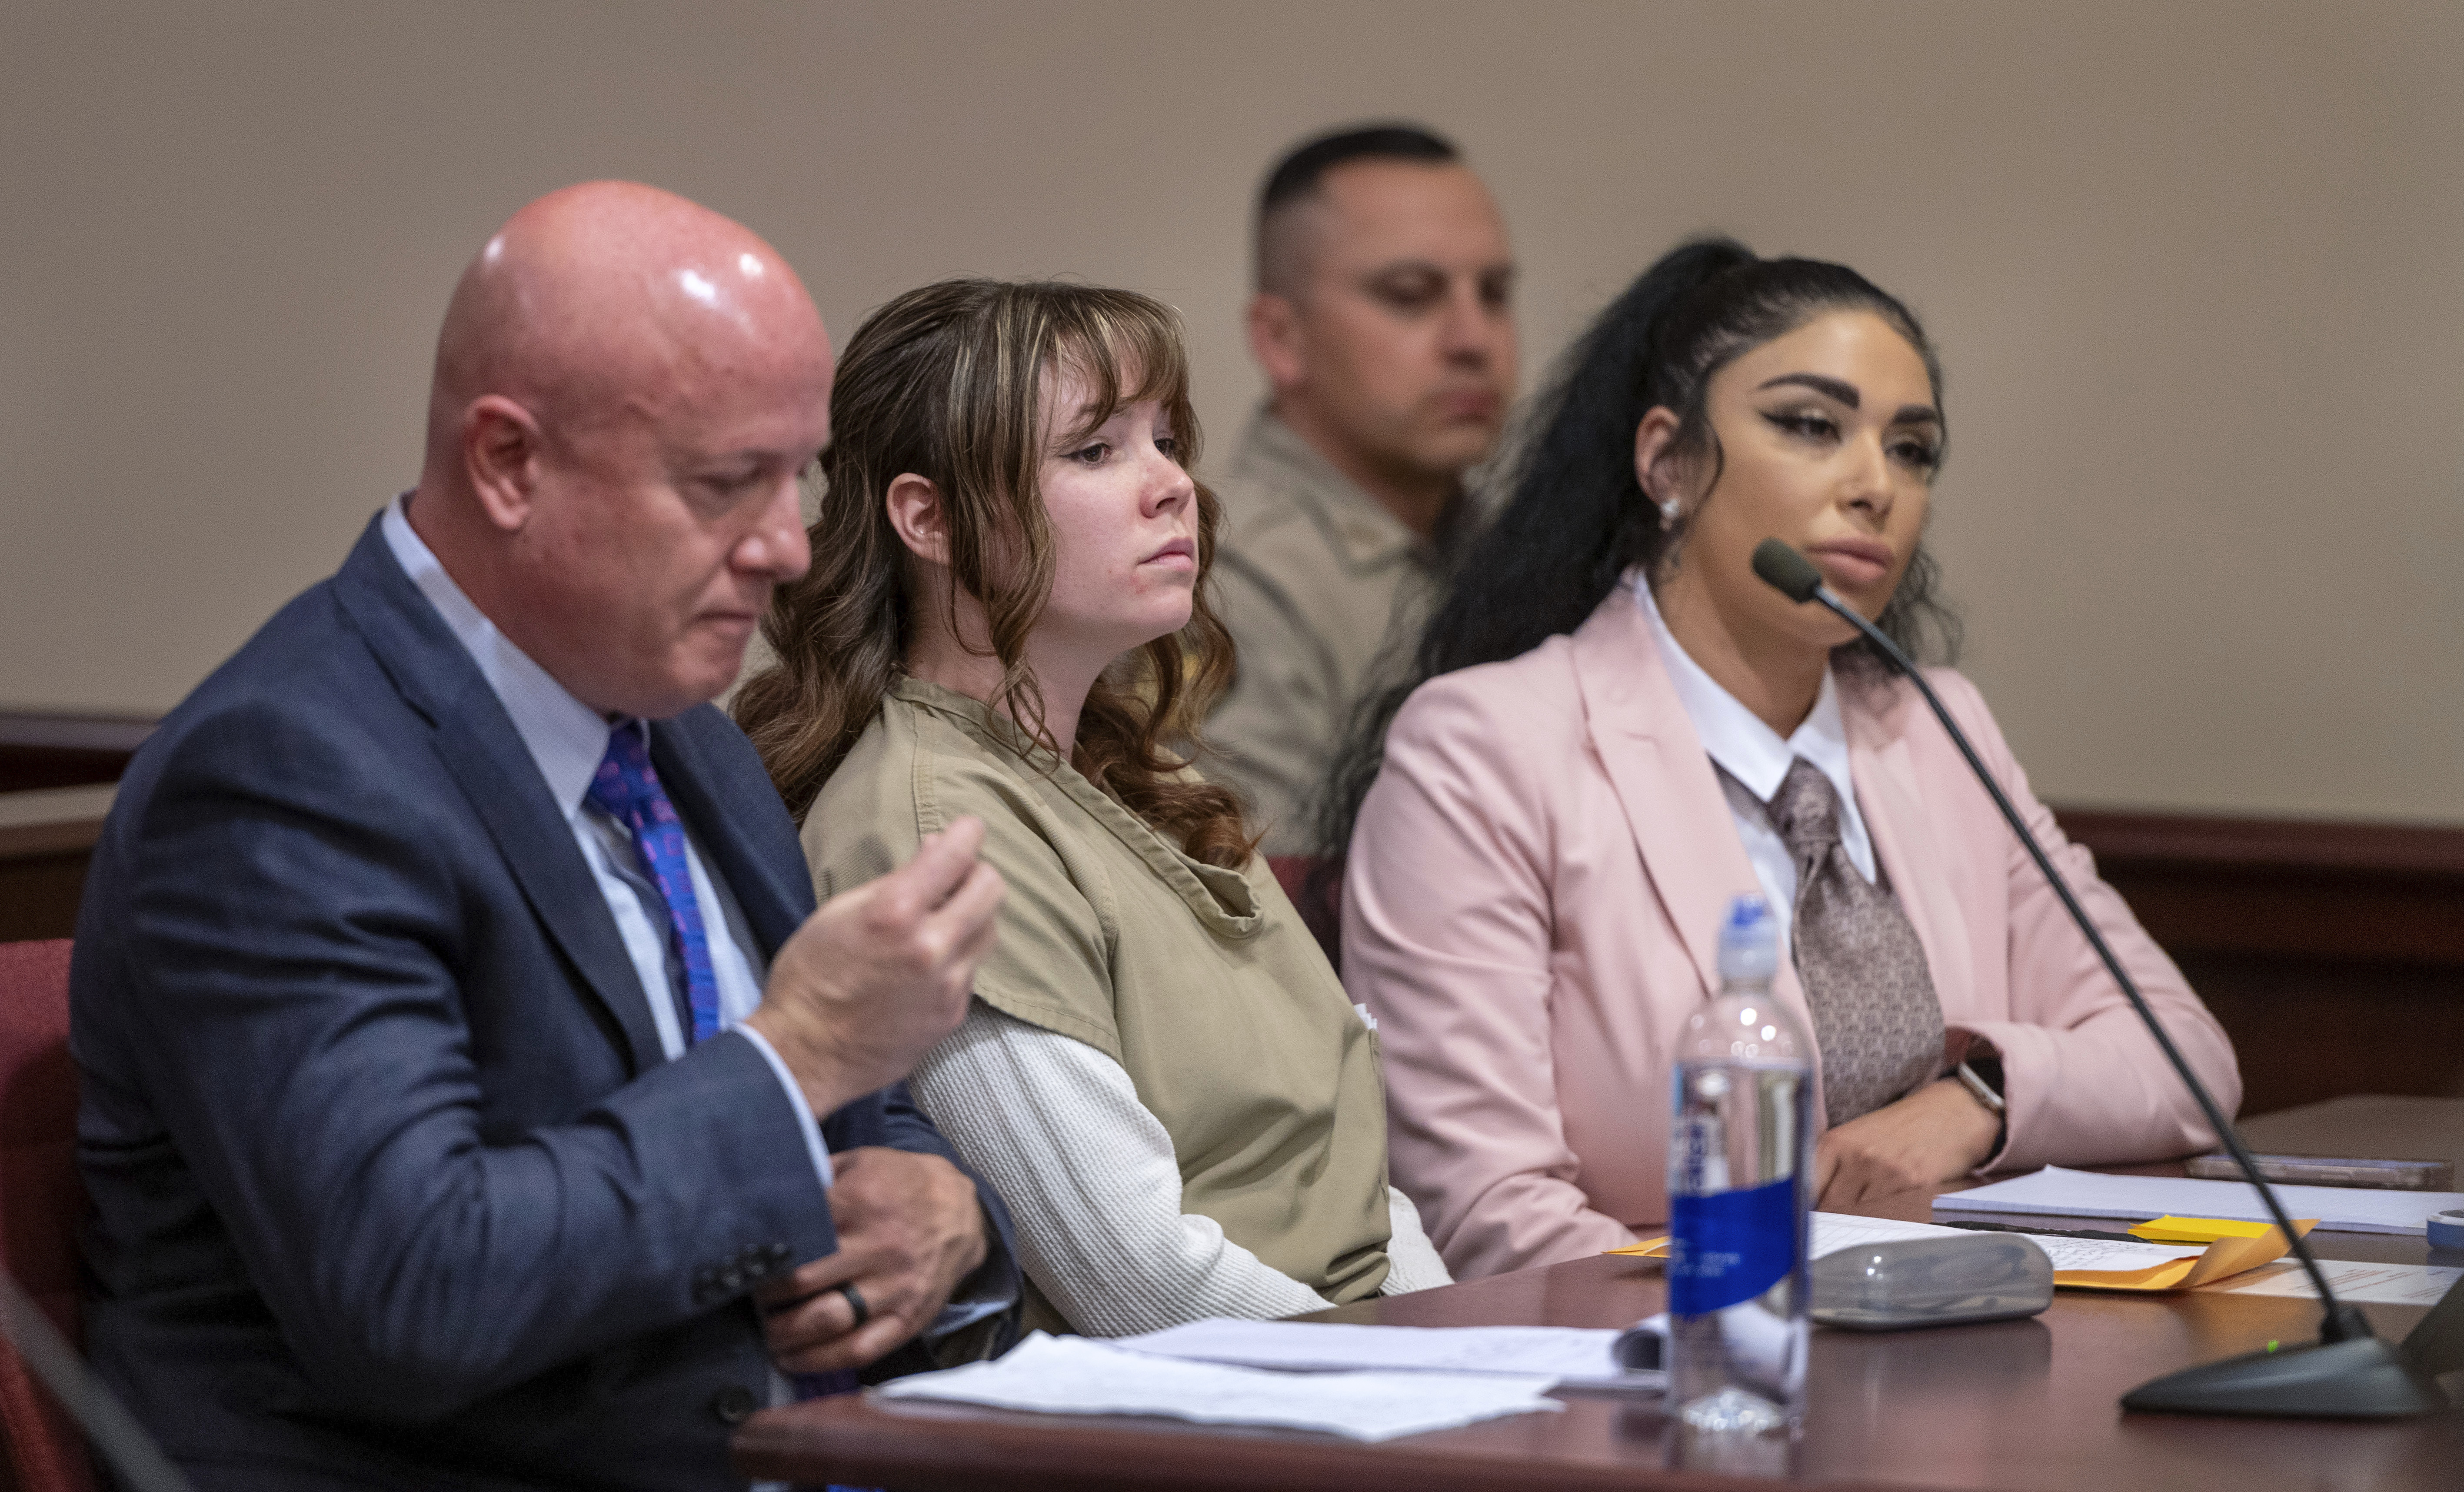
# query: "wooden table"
x,y
2018,1405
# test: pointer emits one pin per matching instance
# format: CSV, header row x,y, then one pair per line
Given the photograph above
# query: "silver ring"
x,y
855,1303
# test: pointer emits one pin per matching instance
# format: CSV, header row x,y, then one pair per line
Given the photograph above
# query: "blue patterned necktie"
x,y
627,787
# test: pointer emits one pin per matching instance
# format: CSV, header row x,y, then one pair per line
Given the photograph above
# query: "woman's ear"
x,y
914,507
1657,466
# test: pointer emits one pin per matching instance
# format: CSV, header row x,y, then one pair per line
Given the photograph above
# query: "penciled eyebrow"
x,y
1846,393
1838,389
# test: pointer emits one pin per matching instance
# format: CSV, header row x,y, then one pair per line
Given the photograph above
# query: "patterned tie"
x,y
627,787
1876,1020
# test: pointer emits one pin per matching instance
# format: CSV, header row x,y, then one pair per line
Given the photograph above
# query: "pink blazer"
x,y
1532,908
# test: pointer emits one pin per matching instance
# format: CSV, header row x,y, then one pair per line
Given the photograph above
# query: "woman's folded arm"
x,y
1092,1182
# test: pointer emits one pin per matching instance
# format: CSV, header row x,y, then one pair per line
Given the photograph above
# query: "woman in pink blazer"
x,y
1616,728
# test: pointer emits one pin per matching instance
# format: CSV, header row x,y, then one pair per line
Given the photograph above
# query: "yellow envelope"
x,y
2198,1230
2225,1257
2228,1254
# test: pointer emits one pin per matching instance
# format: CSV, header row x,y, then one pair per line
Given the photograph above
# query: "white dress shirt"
x,y
566,738
1753,760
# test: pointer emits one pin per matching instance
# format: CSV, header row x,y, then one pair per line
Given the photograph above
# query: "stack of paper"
x,y
1566,1356
2083,1193
2355,1284
1835,1231
1072,1375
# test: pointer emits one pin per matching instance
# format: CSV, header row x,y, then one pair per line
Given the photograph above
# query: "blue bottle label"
x,y
1727,1248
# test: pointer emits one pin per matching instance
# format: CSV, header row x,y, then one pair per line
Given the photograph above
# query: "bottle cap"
x,y
1748,940
2447,1229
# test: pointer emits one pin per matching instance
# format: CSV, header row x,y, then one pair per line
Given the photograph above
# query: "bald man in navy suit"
x,y
472,1095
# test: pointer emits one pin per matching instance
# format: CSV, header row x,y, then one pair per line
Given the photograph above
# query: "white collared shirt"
x,y
1753,760
566,738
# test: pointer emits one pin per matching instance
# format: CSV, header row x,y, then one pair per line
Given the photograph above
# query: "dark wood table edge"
x,y
1029,1453
872,1445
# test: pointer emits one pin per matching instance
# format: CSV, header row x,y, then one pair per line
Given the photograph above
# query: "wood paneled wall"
x,y
42,873
40,750
43,860
2333,953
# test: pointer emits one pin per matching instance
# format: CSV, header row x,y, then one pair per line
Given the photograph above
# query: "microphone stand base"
x,y
2365,1378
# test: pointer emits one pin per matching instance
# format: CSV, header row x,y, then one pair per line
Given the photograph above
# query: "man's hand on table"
x,y
882,972
1935,1134
910,1228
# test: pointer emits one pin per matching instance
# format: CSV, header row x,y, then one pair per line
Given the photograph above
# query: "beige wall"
x,y
2198,271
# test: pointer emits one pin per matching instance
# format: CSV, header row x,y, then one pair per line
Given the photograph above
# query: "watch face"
x,y
1985,1084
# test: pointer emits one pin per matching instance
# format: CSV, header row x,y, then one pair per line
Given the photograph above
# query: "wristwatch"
x,y
1981,1074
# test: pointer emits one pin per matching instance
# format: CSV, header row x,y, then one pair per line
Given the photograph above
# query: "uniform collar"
x,y
1221,898
1362,532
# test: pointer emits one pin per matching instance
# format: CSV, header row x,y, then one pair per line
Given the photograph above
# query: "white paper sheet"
x,y
1572,1357
2356,1284
2111,1256
2081,1194
1073,1376
1835,1231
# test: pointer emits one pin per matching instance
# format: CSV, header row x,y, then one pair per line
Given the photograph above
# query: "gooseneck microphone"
x,y
2349,1373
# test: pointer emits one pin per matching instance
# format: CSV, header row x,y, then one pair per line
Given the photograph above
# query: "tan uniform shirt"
x,y
1200,981
1314,578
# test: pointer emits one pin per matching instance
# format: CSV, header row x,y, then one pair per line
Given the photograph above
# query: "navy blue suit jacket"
x,y
393,1184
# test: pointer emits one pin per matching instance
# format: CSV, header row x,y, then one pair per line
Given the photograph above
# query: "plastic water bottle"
x,y
1739,1159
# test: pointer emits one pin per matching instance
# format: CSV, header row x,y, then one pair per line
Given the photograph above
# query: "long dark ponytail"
x,y
1576,519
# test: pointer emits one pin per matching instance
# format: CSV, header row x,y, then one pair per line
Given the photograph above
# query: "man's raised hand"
x,y
882,972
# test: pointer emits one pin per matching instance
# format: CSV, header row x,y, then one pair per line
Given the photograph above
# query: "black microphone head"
x,y
1785,571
